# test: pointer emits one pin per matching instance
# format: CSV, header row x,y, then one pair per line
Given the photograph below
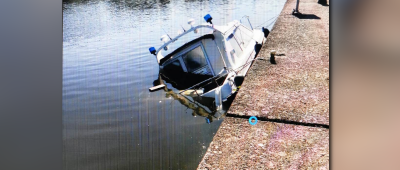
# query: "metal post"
x,y
296,11
249,23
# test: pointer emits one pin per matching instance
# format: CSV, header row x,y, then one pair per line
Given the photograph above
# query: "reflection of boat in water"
x,y
209,68
200,106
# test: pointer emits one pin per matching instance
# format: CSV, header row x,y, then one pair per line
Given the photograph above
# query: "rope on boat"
x,y
275,18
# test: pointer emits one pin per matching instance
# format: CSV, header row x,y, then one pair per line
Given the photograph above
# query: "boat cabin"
x,y
207,56
212,61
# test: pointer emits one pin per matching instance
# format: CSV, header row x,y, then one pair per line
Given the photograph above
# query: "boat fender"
x,y
257,48
238,80
265,31
218,98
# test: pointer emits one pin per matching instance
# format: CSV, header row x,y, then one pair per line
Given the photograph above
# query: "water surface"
x,y
110,119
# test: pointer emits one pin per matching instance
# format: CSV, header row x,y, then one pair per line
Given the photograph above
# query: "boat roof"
x,y
222,29
207,36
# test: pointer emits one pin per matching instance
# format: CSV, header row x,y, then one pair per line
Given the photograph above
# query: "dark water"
x,y
110,119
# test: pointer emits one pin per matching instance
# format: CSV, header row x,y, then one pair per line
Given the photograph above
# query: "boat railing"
x,y
209,79
180,35
251,26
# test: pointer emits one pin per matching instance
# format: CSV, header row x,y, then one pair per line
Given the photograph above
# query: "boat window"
x,y
244,35
173,67
235,45
194,59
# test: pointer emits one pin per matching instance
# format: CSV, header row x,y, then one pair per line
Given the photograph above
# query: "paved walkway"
x,y
296,89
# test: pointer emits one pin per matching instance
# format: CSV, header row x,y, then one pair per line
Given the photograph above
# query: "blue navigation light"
x,y
208,18
152,50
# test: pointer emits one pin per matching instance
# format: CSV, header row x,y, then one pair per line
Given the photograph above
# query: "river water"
x,y
110,119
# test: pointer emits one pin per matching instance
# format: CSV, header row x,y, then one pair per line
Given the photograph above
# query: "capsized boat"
x,y
212,64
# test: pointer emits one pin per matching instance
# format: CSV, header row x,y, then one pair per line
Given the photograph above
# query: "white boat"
x,y
212,65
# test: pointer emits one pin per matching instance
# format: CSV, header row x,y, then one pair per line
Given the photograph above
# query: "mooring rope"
x,y
275,18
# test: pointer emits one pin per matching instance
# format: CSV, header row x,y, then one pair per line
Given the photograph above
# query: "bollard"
x,y
265,31
272,59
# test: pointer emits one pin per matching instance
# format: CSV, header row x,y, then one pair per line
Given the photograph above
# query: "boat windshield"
x,y
188,67
174,67
194,59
